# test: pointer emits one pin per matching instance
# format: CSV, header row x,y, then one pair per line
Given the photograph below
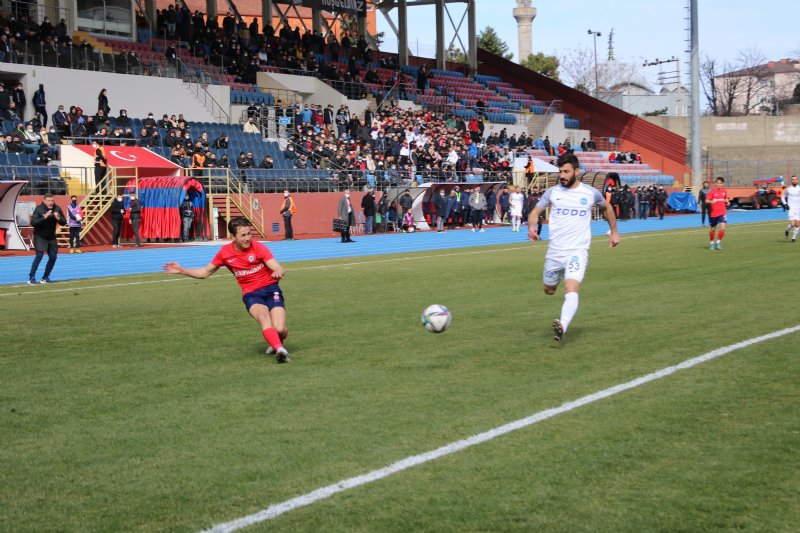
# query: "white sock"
x,y
795,232
569,308
788,227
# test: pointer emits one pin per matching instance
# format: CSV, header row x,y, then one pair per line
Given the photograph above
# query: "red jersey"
x,y
248,267
717,198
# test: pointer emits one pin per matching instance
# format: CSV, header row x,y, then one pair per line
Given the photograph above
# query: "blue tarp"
x,y
682,201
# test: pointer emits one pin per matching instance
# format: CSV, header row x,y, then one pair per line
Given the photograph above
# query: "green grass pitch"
x,y
151,407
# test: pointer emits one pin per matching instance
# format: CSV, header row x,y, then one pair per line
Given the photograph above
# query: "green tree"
x,y
545,65
491,42
455,54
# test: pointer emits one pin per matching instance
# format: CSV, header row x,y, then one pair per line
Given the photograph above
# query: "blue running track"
x,y
14,270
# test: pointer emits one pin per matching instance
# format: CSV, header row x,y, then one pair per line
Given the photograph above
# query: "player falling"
x,y
257,273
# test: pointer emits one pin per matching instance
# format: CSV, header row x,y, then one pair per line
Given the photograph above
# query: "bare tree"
x,y
721,86
577,69
753,71
708,81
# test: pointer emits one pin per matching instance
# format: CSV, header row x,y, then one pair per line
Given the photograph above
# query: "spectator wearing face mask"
x,y
346,212
117,214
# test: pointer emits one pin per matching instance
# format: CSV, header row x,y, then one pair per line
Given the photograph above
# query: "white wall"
x,y
138,94
312,90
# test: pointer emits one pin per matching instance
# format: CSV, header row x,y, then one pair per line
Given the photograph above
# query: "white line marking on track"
x,y
530,246
278,509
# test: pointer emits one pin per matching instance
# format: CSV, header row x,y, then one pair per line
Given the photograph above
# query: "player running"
x,y
257,272
571,205
791,199
718,199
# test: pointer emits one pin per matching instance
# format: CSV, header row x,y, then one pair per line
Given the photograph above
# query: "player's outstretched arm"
x,y
611,218
533,220
277,270
197,273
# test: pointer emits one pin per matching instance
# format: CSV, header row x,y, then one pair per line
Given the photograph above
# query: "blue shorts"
x,y
271,296
713,221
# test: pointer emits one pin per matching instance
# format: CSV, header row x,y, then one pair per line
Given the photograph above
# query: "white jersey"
x,y
570,217
515,201
791,197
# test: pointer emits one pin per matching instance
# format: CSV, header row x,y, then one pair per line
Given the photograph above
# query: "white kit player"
x,y
516,201
791,198
570,220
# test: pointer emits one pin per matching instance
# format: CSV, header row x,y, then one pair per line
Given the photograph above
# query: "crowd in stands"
x,y
241,49
633,158
396,143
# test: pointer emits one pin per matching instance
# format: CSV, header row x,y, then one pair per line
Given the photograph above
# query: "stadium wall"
x,y
742,138
139,95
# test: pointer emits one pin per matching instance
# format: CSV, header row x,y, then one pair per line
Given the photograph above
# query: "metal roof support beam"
x,y
472,37
440,54
402,33
266,13
316,20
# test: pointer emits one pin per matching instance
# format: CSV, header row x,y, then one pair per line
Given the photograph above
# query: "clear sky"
x,y
643,29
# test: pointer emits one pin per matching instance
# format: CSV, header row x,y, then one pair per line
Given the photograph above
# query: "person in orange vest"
x,y
288,210
198,161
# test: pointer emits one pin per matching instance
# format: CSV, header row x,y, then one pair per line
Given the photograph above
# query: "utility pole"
x,y
664,78
595,35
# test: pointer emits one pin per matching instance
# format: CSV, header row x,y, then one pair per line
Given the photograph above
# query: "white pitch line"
x,y
278,509
68,289
529,246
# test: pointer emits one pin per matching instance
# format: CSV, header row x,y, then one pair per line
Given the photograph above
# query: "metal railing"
x,y
331,180
80,58
196,82
269,122
36,12
742,173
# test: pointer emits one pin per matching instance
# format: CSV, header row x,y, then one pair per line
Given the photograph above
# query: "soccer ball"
x,y
436,318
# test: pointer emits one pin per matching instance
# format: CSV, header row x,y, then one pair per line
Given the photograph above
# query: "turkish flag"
x,y
147,162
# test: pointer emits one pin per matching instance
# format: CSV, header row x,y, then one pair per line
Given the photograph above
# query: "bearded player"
x,y
567,255
257,273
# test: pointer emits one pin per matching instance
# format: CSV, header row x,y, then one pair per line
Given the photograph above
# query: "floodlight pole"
x,y
595,35
697,165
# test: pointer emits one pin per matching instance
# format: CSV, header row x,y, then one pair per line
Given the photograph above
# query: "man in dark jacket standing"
x,y
491,205
704,207
136,218
440,202
287,211
505,205
39,104
117,214
368,207
44,220
187,215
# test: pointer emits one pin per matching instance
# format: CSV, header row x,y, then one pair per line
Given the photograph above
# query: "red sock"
x,y
272,337
721,234
711,235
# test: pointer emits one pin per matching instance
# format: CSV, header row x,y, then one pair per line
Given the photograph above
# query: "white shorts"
x,y
794,214
568,266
